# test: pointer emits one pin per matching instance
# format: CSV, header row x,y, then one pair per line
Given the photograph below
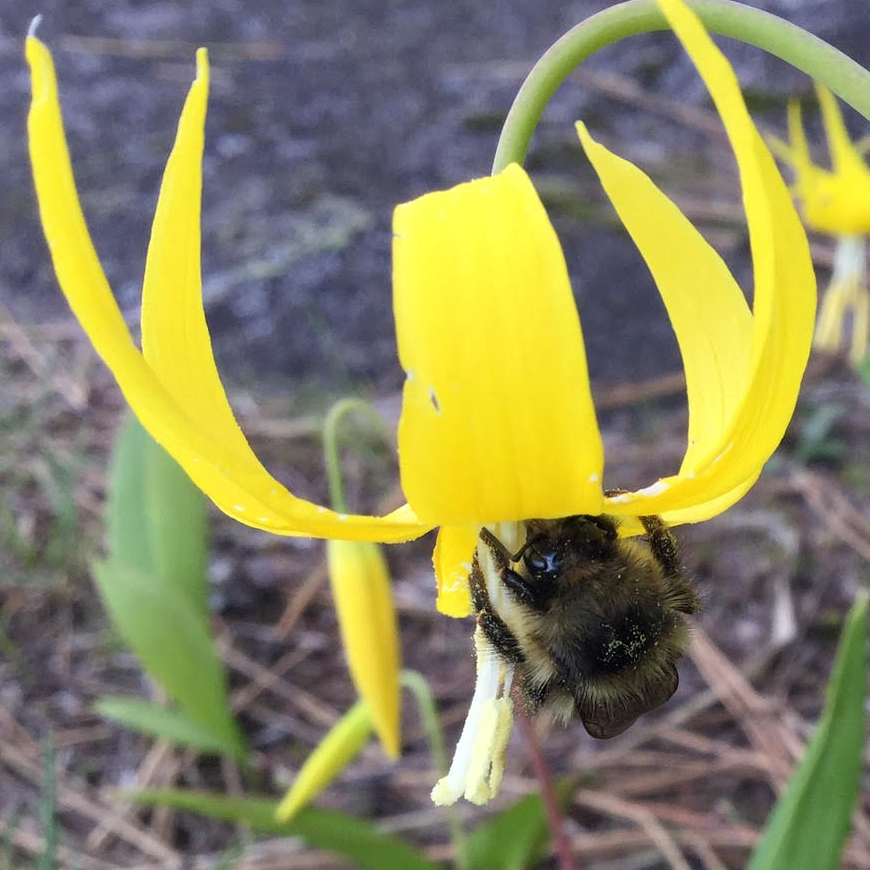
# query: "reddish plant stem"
x,y
561,846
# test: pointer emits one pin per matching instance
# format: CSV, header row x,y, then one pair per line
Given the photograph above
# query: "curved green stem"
x,y
416,683
846,78
330,444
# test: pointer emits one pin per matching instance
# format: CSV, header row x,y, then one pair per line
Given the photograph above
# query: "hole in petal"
x,y
433,398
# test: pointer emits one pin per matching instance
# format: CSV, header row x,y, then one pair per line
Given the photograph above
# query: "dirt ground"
x,y
322,117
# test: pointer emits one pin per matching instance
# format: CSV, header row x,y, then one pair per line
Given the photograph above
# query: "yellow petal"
x,y
800,149
783,311
454,552
369,631
331,756
844,156
232,477
497,419
175,339
706,307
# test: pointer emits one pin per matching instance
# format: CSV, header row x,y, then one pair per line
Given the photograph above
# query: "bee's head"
x,y
544,560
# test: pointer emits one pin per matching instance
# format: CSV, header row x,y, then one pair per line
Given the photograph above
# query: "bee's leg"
x,y
533,694
663,545
524,591
500,552
491,624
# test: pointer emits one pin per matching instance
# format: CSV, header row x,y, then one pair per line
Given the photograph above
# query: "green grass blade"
x,y
163,722
167,633
332,831
48,858
810,823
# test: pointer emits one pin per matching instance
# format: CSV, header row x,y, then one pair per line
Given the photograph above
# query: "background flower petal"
x,y
233,479
497,419
783,310
844,156
454,552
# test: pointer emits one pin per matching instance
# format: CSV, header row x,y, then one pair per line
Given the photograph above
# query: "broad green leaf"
x,y
168,634
157,518
163,722
514,839
330,830
810,823
126,522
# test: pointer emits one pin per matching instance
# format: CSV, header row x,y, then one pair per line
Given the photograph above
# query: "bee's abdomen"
x,y
609,645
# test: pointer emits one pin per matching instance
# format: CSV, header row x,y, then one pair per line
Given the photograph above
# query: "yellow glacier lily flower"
x,y
835,201
497,423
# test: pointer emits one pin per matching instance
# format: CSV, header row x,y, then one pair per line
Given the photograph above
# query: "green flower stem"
x,y
416,683
846,78
330,444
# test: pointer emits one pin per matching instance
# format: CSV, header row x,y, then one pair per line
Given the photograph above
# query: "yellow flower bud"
x,y
331,756
369,631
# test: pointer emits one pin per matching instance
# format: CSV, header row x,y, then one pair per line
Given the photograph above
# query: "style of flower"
x,y
497,423
835,201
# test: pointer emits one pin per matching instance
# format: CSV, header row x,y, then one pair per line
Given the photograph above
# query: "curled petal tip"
x,y
34,24
201,62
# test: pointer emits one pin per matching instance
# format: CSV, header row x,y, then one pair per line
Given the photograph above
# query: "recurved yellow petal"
x,y
844,156
497,420
706,307
175,338
332,755
783,311
454,552
369,631
227,473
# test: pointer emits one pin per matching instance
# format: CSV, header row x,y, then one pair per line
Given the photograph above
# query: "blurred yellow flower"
x,y
835,201
497,422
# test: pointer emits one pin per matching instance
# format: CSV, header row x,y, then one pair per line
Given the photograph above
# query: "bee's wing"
x,y
609,720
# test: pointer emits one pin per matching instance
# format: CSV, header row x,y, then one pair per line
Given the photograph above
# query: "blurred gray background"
x,y
323,115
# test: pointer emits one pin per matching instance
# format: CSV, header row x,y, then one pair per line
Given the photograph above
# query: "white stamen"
x,y
478,763
450,788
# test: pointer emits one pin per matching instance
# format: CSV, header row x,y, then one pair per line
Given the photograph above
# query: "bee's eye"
x,y
535,562
543,565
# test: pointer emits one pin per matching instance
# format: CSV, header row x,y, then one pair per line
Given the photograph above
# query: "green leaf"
x,y
810,823
163,722
514,839
126,521
168,634
330,830
157,518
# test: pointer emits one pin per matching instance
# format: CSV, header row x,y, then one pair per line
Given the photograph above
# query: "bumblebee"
x,y
594,623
